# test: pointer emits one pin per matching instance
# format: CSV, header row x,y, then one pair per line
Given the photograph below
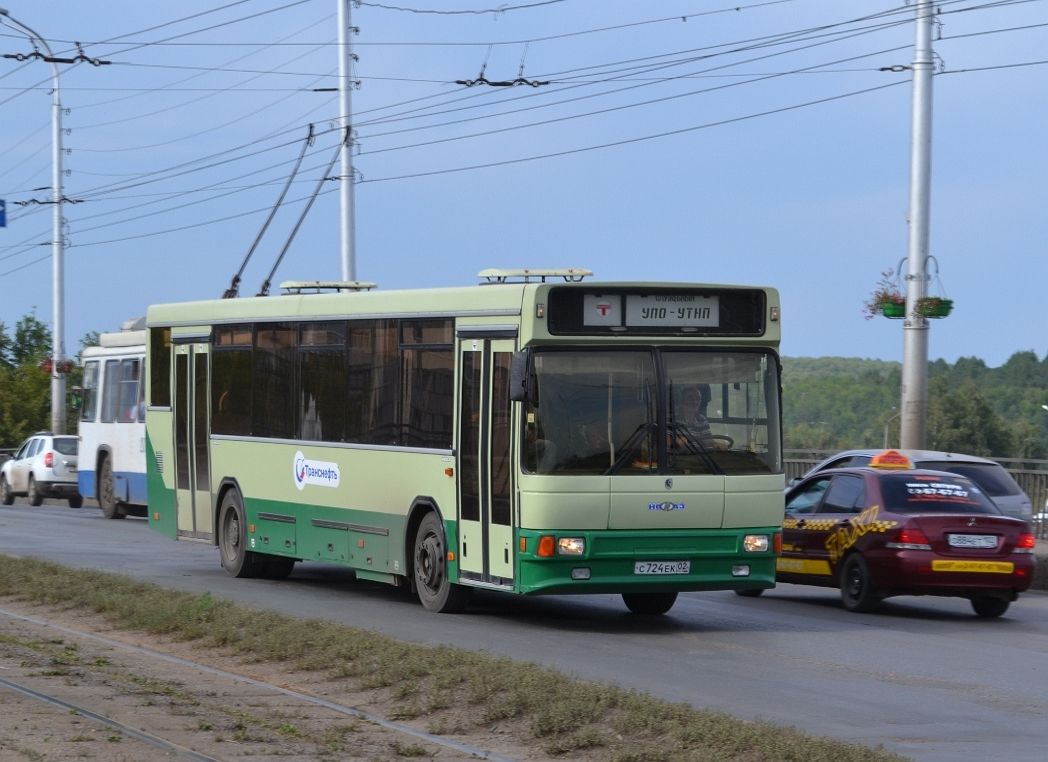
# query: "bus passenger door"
x,y
192,437
486,489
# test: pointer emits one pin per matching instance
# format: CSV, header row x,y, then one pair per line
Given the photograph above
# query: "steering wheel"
x,y
723,438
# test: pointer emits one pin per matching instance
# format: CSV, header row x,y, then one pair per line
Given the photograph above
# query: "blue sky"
x,y
672,142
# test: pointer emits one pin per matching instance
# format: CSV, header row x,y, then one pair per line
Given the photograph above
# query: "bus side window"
x,y
89,408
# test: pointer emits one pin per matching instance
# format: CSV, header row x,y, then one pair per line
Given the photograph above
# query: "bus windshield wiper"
x,y
630,447
695,446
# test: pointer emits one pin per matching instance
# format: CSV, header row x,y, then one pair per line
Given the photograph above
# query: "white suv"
x,y
44,466
990,475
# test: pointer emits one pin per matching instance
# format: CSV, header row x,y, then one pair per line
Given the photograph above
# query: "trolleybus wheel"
x,y
237,560
434,590
858,592
107,501
649,604
6,495
35,498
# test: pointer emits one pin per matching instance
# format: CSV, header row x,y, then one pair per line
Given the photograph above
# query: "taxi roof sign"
x,y
891,459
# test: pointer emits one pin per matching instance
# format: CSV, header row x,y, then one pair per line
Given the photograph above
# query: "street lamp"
x,y
890,419
58,415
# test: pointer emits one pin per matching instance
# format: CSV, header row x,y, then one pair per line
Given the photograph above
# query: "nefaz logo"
x,y
316,472
666,506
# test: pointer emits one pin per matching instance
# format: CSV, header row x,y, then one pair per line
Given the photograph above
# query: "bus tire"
x,y
649,604
435,592
277,567
750,592
7,497
111,507
35,498
237,560
76,502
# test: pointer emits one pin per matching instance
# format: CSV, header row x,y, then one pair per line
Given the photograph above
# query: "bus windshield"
x,y
659,410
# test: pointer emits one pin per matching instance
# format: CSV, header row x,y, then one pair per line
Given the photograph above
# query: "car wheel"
x,y
434,590
649,604
7,497
750,593
35,498
237,560
107,501
76,502
989,607
858,592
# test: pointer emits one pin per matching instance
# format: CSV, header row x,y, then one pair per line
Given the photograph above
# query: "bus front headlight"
x,y
571,546
755,543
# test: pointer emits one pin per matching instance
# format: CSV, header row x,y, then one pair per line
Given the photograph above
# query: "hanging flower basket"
x,y
886,299
934,307
893,309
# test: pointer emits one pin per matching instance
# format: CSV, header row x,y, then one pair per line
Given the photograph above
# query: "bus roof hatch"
x,y
317,286
496,275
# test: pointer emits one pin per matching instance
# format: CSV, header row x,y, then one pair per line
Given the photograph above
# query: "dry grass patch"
x,y
453,690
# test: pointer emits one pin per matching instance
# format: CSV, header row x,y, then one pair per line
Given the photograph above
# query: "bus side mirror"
x,y
518,376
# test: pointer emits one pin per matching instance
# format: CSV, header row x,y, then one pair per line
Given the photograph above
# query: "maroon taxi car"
x,y
888,529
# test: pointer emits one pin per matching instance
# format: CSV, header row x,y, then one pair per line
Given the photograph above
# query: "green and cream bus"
x,y
537,433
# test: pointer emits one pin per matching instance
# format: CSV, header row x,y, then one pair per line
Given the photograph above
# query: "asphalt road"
x,y
923,676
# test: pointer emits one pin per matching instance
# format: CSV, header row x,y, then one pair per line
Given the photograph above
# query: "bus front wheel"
x,y
237,560
649,604
107,501
434,590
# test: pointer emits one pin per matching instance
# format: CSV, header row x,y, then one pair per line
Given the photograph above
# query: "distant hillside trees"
x,y
840,403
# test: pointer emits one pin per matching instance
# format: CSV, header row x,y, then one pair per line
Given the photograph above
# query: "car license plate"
x,y
662,567
988,567
972,540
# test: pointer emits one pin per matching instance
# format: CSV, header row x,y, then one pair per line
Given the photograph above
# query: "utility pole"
x,y
914,410
345,86
58,386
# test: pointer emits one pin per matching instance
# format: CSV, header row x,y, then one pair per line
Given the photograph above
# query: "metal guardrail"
x,y
1031,475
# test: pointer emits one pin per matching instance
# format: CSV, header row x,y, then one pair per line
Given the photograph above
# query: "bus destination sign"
x,y
665,310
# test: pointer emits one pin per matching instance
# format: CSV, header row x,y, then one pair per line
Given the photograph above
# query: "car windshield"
x,y
933,493
994,480
647,411
66,445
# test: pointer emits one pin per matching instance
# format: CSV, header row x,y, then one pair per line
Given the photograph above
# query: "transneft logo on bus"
x,y
317,472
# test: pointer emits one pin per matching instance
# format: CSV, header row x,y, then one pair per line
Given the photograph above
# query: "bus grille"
x,y
159,458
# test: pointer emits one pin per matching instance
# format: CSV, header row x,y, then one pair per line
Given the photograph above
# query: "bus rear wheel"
x,y
237,560
649,604
434,590
111,507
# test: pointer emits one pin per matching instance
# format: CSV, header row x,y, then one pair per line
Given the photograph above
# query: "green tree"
x,y
961,420
32,341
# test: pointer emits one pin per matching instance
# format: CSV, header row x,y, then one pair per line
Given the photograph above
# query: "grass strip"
x,y
452,690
